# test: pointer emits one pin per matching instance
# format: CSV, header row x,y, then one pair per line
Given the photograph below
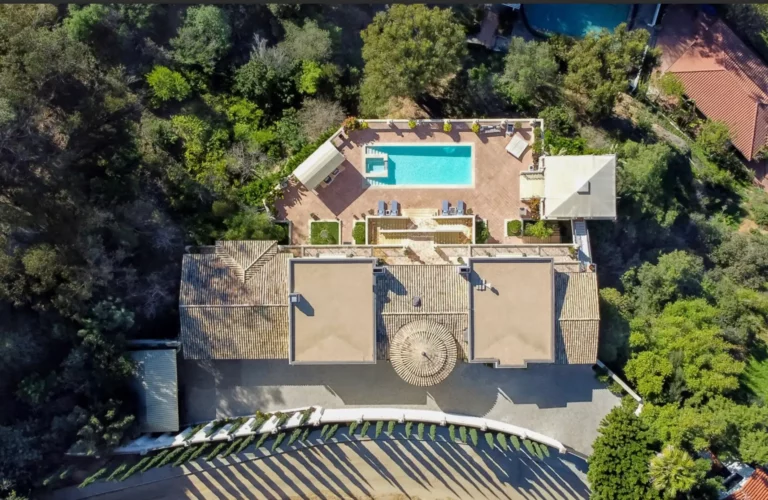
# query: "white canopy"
x,y
579,187
319,165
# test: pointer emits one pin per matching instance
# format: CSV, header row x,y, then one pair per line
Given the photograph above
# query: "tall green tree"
x,y
673,472
618,466
408,51
531,74
204,38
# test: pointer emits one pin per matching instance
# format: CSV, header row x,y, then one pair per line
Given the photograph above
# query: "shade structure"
x,y
319,165
423,353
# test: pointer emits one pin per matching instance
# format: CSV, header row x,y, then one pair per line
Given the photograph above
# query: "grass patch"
x,y
358,233
755,376
324,232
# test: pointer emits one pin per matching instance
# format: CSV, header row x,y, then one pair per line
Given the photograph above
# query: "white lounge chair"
x,y
517,146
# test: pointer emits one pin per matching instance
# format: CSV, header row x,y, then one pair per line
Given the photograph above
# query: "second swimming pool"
x,y
422,165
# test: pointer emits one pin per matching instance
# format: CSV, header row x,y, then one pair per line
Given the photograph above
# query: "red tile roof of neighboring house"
x,y
756,488
727,81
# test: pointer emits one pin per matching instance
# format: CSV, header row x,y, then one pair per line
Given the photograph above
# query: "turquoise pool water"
x,y
423,165
575,19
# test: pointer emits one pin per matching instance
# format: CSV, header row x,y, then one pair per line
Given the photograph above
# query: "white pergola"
x,y
319,165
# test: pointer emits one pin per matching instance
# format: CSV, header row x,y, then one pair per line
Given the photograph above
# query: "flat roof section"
x,y
333,321
512,311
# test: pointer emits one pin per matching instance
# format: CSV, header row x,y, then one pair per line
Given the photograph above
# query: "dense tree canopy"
x,y
408,50
204,38
531,74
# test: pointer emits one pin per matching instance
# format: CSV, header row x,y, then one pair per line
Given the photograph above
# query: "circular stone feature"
x,y
423,353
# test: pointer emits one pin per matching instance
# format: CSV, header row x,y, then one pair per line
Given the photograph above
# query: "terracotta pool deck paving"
x,y
494,196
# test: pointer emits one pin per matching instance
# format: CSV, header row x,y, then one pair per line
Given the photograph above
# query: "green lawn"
x,y
324,232
755,376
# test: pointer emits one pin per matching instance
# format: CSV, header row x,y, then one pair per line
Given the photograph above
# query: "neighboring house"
x,y
754,487
727,81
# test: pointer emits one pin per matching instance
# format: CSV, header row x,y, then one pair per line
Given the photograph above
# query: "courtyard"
x,y
565,402
494,195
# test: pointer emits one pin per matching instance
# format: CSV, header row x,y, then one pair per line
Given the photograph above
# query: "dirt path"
x,y
387,471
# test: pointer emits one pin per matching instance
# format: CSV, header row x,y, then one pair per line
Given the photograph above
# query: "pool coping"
x,y
471,185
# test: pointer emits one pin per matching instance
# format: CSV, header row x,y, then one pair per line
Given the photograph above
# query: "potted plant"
x,y
363,124
412,124
514,227
476,127
447,127
351,123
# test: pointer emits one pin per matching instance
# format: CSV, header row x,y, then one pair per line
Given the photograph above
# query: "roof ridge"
x,y
270,247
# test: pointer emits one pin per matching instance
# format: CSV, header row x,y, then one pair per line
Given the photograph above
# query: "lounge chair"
x,y
510,129
461,208
394,207
446,207
382,208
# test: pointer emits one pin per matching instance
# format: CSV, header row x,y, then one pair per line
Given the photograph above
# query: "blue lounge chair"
x,y
446,206
394,207
382,208
461,208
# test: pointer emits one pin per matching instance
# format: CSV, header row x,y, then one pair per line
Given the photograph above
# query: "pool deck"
x,y
494,197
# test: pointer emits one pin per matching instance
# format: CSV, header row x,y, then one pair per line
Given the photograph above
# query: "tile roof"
x,y
727,81
224,316
755,488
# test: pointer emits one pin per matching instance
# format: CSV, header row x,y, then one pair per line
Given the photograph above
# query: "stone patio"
x,y
494,197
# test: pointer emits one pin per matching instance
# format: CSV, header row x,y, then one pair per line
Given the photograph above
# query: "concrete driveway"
x,y
565,402
380,469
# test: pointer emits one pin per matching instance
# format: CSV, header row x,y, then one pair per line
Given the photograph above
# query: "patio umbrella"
x,y
423,352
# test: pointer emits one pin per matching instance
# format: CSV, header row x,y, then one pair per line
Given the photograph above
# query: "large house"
x,y
419,292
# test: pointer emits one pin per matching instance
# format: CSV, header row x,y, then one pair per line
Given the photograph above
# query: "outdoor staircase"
x,y
419,213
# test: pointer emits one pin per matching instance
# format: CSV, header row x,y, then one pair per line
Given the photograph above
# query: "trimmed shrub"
x,y
463,434
391,427
447,127
118,470
246,442
323,432
364,430
452,433
332,431
233,447
502,439
379,427
515,442
352,427
481,232
294,435
358,233
476,128
544,450
155,460
278,440
306,414
216,451
305,434
172,456
193,431
489,439
236,424
216,426
281,418
408,427
261,440
420,430
514,227
411,124
136,467
199,451
473,436
93,477
188,451
432,431
529,446
537,450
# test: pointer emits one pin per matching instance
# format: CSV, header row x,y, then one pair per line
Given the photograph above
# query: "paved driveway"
x,y
385,469
565,402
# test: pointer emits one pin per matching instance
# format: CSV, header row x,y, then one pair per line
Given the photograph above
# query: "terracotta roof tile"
x,y
756,488
727,81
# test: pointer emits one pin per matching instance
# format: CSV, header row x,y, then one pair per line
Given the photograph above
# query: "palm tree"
x,y
673,471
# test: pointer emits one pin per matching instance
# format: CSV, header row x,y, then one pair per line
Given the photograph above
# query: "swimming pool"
x,y
575,19
419,165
